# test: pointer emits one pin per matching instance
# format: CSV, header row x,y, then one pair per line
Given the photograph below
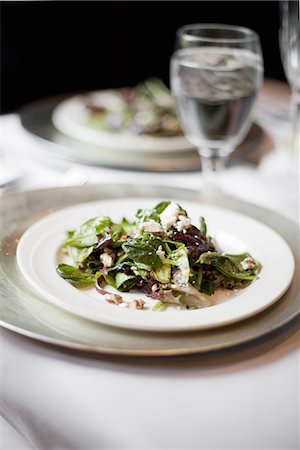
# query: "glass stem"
x,y
212,163
295,117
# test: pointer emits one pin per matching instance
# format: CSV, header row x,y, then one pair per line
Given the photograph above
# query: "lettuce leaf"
x,y
179,258
229,265
142,249
75,276
86,234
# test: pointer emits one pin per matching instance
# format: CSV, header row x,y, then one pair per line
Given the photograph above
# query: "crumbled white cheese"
x,y
151,227
154,287
161,253
182,223
106,260
248,263
169,216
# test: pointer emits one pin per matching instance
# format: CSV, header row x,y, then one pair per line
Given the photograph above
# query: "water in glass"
x,y
215,89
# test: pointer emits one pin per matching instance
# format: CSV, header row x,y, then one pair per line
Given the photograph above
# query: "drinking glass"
x,y
289,39
216,72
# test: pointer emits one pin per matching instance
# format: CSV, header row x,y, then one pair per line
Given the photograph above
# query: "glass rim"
x,y
249,34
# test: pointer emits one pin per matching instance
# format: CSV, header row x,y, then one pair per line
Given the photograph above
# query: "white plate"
x,y
71,118
38,249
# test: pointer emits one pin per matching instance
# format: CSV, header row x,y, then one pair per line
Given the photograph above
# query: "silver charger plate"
x,y
26,312
36,119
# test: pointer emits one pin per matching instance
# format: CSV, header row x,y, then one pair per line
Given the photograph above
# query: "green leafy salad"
x,y
161,254
146,109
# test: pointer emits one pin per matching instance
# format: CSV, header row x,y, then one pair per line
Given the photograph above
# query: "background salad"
x,y
146,109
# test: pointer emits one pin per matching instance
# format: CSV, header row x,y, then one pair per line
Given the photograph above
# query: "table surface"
x,y
246,398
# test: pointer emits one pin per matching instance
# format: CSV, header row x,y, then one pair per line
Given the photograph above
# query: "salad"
x,y
146,109
160,253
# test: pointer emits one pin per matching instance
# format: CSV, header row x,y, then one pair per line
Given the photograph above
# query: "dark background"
x,y
57,47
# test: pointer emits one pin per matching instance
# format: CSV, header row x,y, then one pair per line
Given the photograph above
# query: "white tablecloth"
x,y
243,399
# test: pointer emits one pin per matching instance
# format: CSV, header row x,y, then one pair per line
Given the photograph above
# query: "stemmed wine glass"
x,y
216,72
289,39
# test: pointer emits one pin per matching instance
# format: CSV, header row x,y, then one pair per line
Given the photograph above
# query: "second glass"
x,y
289,39
216,73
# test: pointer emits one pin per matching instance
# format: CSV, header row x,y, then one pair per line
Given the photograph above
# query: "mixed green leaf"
x,y
161,253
